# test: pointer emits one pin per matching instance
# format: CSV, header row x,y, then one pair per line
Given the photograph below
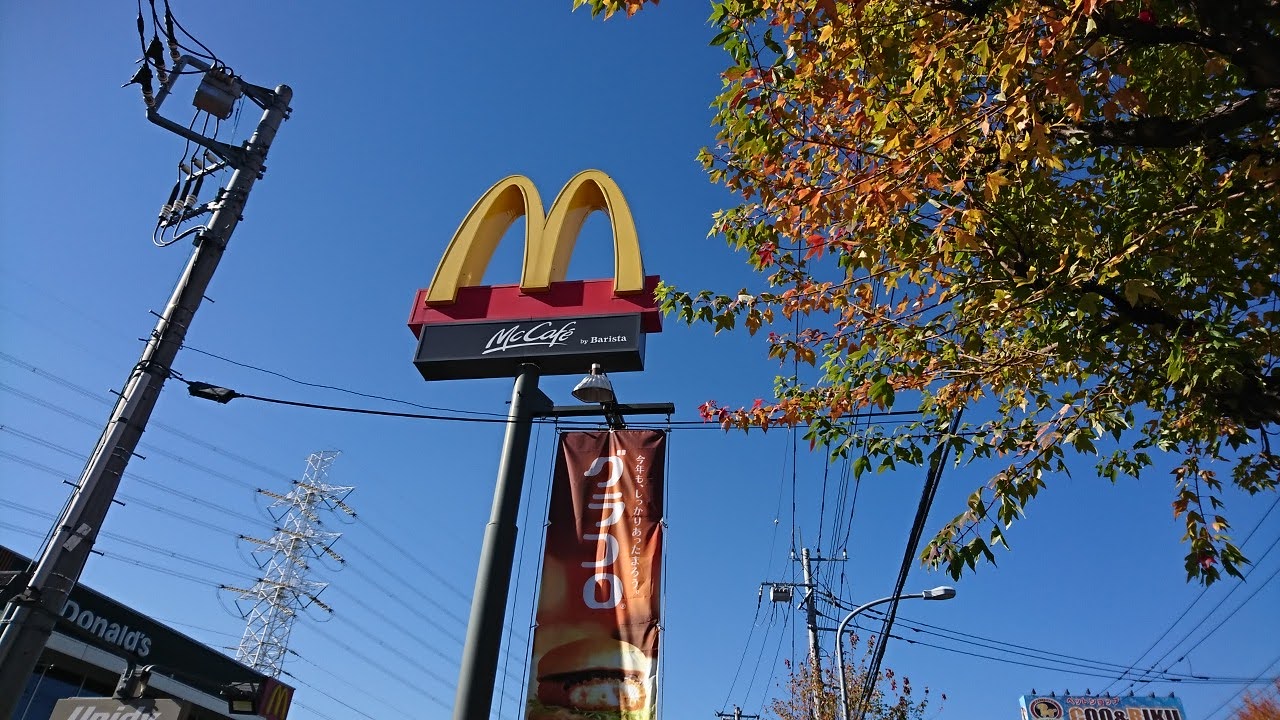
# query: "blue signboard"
x,y
1087,707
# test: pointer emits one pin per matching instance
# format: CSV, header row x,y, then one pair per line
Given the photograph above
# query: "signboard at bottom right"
x,y
1088,707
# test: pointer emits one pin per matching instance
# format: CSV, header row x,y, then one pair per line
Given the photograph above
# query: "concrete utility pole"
x,y
736,714
29,617
810,603
811,615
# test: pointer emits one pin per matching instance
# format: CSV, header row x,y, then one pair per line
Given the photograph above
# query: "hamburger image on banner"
x,y
595,649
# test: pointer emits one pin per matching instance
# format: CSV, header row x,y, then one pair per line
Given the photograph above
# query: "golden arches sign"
x,y
549,239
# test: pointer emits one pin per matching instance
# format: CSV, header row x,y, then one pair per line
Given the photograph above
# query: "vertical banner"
x,y
595,649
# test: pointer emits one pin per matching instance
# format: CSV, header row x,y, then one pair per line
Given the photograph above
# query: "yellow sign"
x,y
549,239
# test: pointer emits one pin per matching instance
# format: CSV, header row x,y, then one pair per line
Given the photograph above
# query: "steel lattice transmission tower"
x,y
286,587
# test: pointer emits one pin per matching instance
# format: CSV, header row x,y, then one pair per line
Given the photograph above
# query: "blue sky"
x,y
404,113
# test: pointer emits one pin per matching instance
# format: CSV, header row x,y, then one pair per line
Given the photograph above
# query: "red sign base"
x,y
567,298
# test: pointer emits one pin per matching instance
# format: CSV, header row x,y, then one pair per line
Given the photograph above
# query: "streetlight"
x,y
941,592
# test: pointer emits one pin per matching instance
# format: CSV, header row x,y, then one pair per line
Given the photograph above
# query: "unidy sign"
x,y
560,346
468,330
114,709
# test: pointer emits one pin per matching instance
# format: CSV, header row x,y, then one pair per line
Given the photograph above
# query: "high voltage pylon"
x,y
285,589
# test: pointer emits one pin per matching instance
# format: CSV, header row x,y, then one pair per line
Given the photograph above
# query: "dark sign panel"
x,y
95,619
558,346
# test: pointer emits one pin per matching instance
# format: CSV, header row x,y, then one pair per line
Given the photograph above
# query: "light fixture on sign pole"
x,y
595,388
942,592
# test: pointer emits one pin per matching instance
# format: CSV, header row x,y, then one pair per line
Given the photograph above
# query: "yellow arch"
x,y
549,239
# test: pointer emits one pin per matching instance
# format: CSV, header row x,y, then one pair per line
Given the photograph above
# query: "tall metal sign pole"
x,y
30,616
544,326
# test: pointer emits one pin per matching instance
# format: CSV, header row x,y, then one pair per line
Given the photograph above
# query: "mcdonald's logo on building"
x,y
274,699
468,330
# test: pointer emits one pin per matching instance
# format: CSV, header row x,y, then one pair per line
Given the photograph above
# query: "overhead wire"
x,y
335,388
509,641
746,647
777,653
1194,601
1065,662
1221,603
234,573
234,456
334,698
1257,678
151,423
933,479
201,501
361,692
1055,668
126,498
401,631
239,458
764,644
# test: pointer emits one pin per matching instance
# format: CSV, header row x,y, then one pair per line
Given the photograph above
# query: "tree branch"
x,y
1167,132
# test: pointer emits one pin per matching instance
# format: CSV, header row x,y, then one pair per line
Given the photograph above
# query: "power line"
x,y
144,446
343,703
932,480
170,572
1229,615
337,388
1257,678
98,398
1194,601
203,502
362,692
1019,663
363,631
209,504
125,498
1065,664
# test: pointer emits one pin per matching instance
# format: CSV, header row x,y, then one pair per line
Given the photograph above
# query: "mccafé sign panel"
x,y
560,345
467,330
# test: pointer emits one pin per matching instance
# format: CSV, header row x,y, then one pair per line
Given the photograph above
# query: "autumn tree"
x,y
1059,215
1260,706
891,697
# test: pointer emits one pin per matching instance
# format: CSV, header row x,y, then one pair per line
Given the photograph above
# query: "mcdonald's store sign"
x,y
274,699
468,330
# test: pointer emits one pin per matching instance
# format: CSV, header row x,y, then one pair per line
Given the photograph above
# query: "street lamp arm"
x,y
938,593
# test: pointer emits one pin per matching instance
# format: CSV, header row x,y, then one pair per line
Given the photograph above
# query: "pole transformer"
x,y
30,616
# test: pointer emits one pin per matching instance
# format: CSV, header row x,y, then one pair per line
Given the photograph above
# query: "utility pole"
x,y
736,714
29,617
783,592
811,615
